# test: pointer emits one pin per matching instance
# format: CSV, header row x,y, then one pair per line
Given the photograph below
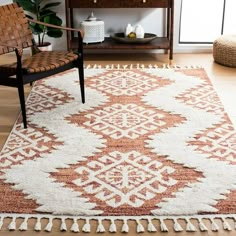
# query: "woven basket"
x,y
224,50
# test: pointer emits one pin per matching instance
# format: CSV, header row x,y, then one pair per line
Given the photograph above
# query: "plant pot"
x,y
45,47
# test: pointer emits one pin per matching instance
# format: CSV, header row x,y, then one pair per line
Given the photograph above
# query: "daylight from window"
x,y
202,21
230,17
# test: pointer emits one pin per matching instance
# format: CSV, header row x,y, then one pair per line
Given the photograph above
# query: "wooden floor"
x,y
223,79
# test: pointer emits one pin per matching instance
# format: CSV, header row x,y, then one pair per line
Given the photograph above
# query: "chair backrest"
x,y
14,28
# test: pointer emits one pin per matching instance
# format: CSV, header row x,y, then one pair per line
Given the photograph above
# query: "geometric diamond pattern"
x,y
125,178
125,121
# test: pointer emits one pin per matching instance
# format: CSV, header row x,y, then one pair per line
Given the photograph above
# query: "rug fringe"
x,y
153,222
140,66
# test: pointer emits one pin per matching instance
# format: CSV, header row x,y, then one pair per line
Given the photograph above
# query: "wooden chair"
x,y
15,35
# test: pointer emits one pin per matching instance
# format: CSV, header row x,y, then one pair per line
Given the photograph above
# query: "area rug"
x,y
150,145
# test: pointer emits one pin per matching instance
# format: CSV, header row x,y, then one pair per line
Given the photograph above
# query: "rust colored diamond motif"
x,y
125,82
125,178
125,121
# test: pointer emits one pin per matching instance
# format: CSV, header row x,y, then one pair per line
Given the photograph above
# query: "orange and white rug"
x,y
149,144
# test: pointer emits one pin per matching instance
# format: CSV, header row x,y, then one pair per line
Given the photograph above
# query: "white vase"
x,y
46,47
129,28
139,31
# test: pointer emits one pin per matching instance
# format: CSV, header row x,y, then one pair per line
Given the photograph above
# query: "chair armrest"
x,y
56,26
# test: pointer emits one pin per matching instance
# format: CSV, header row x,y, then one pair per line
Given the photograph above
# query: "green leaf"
x,y
37,9
54,33
36,29
55,20
27,5
49,5
46,13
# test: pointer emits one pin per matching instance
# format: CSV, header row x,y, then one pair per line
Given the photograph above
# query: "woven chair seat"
x,y
224,50
41,62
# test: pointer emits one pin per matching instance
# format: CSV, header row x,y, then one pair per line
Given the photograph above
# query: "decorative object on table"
x,y
132,39
224,50
152,149
134,32
139,31
93,29
41,11
129,28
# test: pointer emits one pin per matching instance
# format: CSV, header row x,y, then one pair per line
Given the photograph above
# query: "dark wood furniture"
x,y
16,36
159,43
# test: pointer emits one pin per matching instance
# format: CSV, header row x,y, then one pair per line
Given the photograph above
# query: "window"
x,y
230,17
202,21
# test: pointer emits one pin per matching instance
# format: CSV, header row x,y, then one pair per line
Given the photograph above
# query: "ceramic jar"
x,y
128,29
139,31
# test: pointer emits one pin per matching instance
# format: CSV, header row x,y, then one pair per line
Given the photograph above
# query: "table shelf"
x,y
165,43
109,43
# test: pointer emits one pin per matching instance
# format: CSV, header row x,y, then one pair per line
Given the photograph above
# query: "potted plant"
x,y
41,11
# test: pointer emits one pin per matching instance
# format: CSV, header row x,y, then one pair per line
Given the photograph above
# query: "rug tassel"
x,y
226,226
163,226
140,228
190,227
177,226
214,226
1,222
12,225
125,227
86,228
112,227
24,225
202,226
151,227
74,227
48,227
37,226
63,225
100,228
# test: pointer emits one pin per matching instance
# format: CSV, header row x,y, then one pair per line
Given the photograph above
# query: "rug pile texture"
x,y
149,144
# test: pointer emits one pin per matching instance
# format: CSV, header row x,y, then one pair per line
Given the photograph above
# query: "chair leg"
x,y
81,79
22,103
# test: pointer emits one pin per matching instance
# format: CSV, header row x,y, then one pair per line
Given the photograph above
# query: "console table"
x,y
165,42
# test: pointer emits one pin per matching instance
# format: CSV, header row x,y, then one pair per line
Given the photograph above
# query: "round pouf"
x,y
224,50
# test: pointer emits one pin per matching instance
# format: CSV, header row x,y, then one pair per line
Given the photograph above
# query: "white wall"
x,y
3,2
